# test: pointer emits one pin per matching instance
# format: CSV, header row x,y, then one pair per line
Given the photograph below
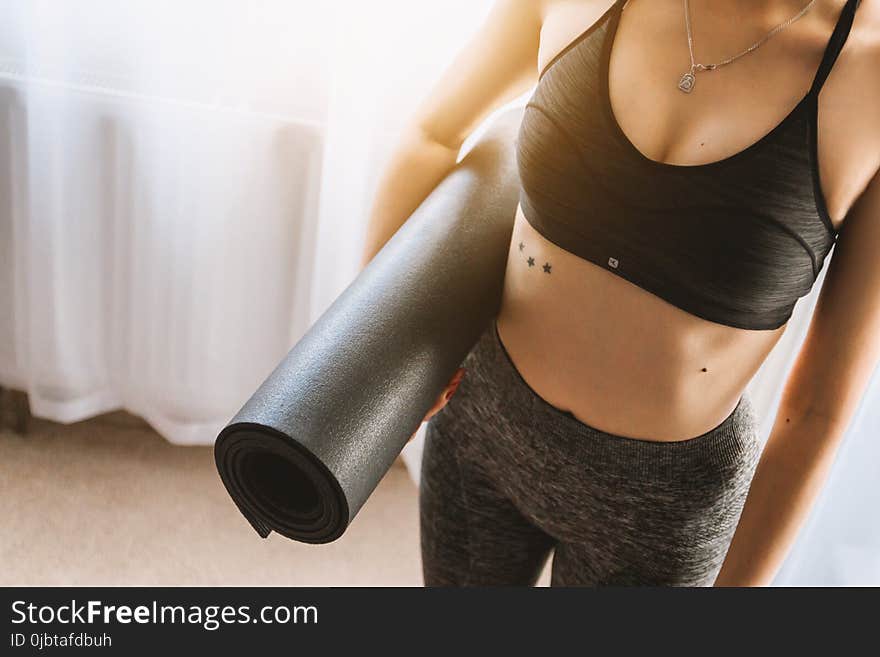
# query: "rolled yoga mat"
x,y
304,453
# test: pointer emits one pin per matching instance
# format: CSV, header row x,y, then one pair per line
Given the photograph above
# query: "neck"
x,y
761,14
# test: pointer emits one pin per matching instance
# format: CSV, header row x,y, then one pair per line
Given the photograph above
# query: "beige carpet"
x,y
109,502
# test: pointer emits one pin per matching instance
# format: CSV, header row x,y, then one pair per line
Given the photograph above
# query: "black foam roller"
x,y
307,449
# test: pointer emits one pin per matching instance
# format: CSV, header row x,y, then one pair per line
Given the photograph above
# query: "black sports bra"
x,y
736,241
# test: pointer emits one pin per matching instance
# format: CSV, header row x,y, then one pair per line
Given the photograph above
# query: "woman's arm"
x,y
827,382
496,65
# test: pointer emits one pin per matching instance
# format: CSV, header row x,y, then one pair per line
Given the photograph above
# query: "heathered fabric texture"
x,y
736,241
507,477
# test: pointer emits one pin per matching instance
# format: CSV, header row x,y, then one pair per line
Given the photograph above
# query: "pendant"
x,y
687,82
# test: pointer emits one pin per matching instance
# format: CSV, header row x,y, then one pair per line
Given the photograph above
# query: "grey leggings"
x,y
507,478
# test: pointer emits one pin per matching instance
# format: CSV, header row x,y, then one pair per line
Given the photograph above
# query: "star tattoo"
x,y
531,261
521,246
546,267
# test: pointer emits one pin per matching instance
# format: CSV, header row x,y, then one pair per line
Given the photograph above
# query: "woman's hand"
x,y
443,398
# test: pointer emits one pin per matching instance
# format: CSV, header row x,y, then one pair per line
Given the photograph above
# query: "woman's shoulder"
x,y
546,7
854,80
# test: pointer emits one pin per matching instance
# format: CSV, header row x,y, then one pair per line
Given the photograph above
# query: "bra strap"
x,y
835,44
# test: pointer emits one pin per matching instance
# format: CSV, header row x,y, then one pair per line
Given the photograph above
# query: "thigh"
x,y
471,534
667,512
653,544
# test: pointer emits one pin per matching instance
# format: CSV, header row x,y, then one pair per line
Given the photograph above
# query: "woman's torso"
x,y
618,357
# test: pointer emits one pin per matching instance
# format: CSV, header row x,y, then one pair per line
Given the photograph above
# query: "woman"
x,y
683,181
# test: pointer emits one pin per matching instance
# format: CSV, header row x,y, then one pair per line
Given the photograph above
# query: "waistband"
x,y
729,443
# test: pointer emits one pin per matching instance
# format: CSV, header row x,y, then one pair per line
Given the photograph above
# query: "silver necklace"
x,y
688,80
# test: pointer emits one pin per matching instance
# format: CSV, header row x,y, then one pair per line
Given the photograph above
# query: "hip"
x,y
556,466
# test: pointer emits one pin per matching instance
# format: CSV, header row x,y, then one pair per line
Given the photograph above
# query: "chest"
x,y
732,107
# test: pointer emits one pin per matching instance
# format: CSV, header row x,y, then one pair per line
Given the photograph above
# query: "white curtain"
x,y
184,188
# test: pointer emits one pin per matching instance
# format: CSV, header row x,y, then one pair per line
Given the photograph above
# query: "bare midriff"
x,y
617,357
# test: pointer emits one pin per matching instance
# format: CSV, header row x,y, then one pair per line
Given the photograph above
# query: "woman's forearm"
x,y
790,474
417,165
